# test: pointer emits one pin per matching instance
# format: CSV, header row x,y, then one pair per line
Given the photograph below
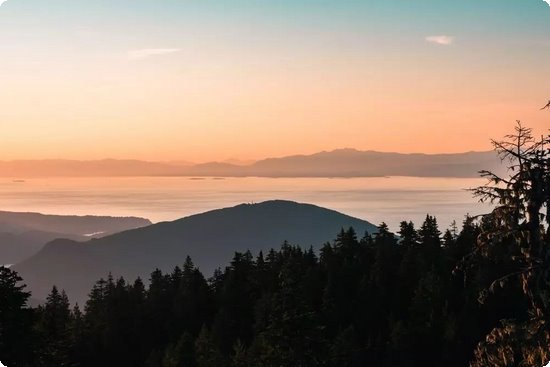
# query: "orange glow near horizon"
x,y
82,93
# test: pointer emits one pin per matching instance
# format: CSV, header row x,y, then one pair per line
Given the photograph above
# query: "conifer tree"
x,y
515,228
54,330
16,344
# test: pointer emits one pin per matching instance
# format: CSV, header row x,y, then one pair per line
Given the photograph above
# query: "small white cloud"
x,y
441,40
547,2
2,2
148,52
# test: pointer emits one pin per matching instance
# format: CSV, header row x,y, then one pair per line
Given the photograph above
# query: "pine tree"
x,y
77,336
408,234
294,334
193,301
16,344
514,230
53,329
429,232
426,322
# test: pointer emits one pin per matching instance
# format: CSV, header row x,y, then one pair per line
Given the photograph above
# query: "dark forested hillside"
x,y
210,238
365,300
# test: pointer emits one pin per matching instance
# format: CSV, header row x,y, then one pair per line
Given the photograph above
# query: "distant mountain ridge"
x,y
355,163
209,238
336,163
24,234
83,225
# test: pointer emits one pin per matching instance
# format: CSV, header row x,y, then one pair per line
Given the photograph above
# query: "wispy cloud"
x,y
148,52
441,40
2,2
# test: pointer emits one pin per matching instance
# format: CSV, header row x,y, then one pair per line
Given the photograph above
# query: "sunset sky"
x,y
211,80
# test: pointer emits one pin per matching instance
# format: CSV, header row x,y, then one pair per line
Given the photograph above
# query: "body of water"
x,y
377,199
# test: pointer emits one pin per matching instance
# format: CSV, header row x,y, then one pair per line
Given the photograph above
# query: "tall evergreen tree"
x,y
53,326
16,343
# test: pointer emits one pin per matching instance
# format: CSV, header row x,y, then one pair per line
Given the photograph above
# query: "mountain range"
x,y
209,238
24,234
336,163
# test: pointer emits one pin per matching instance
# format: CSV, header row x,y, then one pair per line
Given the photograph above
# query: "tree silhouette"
x,y
516,226
16,347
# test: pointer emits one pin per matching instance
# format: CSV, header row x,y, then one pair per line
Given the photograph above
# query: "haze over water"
x,y
168,198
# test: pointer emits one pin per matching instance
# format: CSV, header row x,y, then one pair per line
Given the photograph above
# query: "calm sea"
x,y
167,198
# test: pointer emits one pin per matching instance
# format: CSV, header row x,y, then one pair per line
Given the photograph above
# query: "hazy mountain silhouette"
x,y
209,238
355,163
336,163
24,234
15,247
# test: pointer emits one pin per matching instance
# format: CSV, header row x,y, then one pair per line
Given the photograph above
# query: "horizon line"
x,y
227,160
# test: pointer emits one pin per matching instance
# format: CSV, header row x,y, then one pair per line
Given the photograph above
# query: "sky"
x,y
212,80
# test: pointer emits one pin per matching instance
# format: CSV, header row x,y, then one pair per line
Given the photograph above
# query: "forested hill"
x,y
362,302
210,238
